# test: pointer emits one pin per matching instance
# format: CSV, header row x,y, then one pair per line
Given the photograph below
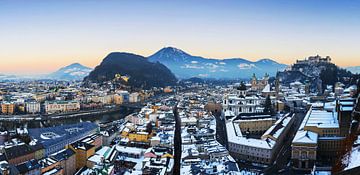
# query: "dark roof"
x,y
17,151
28,166
241,88
37,147
63,154
151,170
2,157
111,130
162,149
60,133
195,169
231,166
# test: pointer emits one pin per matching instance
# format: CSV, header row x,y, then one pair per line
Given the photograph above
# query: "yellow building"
x,y
256,126
125,132
8,108
49,165
107,99
118,99
139,136
83,151
280,106
40,97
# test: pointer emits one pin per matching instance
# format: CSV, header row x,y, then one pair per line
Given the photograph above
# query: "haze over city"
x,y
48,36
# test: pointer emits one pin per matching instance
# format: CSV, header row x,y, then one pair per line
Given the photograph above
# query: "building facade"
x,y
240,102
52,107
8,108
32,107
263,150
318,139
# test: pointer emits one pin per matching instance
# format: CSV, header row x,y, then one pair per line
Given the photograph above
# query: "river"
x,y
103,118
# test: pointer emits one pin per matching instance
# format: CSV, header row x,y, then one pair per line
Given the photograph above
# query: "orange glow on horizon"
x,y
41,64
40,37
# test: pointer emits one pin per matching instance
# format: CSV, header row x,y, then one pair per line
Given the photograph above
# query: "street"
x,y
284,155
177,141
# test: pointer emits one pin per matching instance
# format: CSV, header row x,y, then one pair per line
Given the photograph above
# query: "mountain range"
x,y
7,77
353,69
184,65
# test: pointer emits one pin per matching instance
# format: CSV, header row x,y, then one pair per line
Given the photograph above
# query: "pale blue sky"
x,y
41,36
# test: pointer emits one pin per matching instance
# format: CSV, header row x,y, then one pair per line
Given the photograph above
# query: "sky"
x,y
38,37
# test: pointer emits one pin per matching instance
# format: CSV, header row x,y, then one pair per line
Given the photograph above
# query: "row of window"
x,y
330,144
244,102
246,150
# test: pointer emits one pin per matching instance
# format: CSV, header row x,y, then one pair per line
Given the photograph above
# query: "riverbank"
x,y
98,118
56,116
43,117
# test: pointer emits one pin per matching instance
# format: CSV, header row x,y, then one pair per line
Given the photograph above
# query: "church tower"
x,y
266,79
254,82
277,87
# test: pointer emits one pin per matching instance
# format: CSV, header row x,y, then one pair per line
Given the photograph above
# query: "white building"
x,y
240,102
61,106
134,97
32,107
106,99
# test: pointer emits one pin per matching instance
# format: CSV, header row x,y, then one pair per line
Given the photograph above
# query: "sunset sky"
x,y
41,36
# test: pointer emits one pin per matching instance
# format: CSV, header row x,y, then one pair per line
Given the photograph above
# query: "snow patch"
x,y
203,75
187,66
246,66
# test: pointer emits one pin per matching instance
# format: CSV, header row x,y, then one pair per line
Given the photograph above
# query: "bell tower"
x,y
254,82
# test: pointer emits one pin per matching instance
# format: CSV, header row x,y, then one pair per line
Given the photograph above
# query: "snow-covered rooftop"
x,y
266,89
235,136
130,150
320,119
306,137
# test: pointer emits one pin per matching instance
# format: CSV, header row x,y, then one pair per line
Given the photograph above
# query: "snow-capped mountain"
x,y
74,71
353,69
184,65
